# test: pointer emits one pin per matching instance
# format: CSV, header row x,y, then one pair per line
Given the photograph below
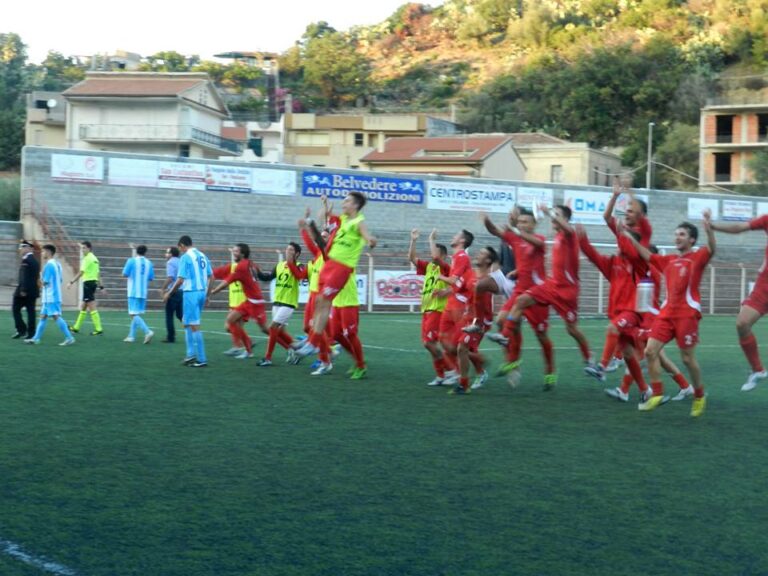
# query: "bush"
x,y
10,197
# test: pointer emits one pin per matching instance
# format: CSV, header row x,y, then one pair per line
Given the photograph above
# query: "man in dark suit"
x,y
26,292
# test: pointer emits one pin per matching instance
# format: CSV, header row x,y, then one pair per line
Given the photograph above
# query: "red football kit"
x,y
253,307
681,311
643,228
458,300
529,260
430,319
758,298
485,301
561,290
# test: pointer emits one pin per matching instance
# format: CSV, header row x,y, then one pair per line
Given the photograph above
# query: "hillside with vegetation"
x,y
586,70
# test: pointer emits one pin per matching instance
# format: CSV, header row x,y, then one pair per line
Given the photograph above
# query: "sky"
x,y
87,27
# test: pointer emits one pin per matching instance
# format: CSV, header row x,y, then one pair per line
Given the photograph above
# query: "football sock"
x,y
283,338
132,327
637,373
658,388
611,339
549,356
238,331
749,346
357,347
321,343
626,382
681,381
698,392
271,341
95,318
142,325
62,324
439,366
80,320
40,328
200,346
464,381
514,345
190,342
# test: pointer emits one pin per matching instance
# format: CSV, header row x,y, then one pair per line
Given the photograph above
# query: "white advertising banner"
x,y
274,182
130,172
181,175
362,290
587,207
532,198
77,168
468,196
697,205
398,287
737,210
228,178
762,208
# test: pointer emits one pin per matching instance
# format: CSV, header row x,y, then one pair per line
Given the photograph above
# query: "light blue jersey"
x,y
195,269
140,273
51,282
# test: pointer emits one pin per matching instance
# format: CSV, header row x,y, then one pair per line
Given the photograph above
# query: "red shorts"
x,y
430,326
451,324
644,332
333,277
758,298
345,320
564,299
537,315
684,330
255,311
471,341
628,324
309,311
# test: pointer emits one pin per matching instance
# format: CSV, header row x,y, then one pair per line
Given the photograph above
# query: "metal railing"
x,y
157,133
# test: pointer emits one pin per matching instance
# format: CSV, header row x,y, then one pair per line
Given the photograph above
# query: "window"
x,y
311,139
373,140
724,125
556,173
723,167
359,139
762,127
184,150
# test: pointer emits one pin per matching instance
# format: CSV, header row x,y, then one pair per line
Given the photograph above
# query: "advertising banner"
x,y
762,208
362,290
227,178
181,175
737,210
531,198
273,182
469,196
375,188
132,172
587,207
398,287
77,168
697,205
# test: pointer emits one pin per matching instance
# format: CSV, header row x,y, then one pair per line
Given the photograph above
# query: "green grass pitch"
x,y
117,460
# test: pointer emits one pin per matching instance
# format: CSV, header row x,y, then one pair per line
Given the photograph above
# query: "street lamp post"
x,y
649,168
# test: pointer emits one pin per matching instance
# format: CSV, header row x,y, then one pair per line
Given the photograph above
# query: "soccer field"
x,y
117,460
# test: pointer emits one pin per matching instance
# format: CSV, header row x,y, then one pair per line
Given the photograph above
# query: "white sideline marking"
x,y
15,551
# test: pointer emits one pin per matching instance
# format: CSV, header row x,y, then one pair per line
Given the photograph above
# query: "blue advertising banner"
x,y
375,188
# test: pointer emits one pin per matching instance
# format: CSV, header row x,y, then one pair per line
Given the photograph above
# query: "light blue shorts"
x,y
193,307
51,309
137,305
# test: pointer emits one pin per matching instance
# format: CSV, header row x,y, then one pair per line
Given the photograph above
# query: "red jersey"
x,y
643,228
682,276
565,260
242,274
479,303
620,272
761,223
529,260
461,269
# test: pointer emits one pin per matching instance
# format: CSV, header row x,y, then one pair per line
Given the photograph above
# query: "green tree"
x,y
679,150
168,61
758,165
214,70
13,84
335,70
58,72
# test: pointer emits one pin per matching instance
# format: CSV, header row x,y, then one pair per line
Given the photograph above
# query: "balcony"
x,y
159,134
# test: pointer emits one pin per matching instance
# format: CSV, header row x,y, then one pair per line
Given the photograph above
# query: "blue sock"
x,y
132,328
40,328
189,338
200,346
63,327
143,325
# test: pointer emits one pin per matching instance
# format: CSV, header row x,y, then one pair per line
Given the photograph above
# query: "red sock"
x,y
681,381
236,342
273,336
464,381
357,350
321,342
283,338
658,388
507,327
618,354
611,340
515,343
698,392
345,343
439,365
626,382
549,356
749,345
637,373
238,332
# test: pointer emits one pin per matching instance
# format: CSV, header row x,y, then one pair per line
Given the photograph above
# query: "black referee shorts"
x,y
89,290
